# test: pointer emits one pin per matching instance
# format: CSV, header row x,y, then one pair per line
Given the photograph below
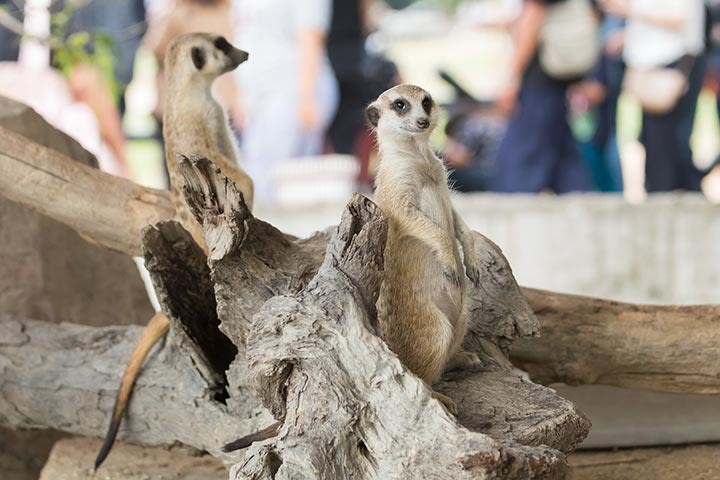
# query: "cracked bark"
x,y
349,407
312,356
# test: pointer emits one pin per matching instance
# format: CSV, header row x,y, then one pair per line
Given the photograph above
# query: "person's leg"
x,y
612,160
349,118
526,158
658,137
270,138
615,75
327,95
570,172
690,176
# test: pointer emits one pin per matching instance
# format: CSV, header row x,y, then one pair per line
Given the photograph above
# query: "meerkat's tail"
x,y
248,440
155,329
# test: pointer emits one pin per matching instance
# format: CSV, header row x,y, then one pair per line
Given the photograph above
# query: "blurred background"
x,y
297,106
599,117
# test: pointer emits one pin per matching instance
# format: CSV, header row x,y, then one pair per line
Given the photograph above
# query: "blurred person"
x,y
9,40
599,94
346,52
666,34
471,149
539,151
178,17
289,91
85,82
124,22
474,131
361,77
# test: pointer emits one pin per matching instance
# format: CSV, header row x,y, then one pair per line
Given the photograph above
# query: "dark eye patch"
x,y
427,105
223,45
401,106
198,57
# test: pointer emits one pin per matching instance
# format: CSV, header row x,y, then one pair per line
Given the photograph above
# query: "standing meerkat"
x,y
422,308
194,123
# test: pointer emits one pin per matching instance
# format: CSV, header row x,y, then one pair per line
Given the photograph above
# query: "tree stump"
x,y
305,327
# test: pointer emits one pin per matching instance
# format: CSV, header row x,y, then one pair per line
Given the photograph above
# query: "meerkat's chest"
x,y
434,203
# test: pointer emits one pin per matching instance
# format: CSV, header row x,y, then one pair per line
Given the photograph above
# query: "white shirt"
x,y
268,30
651,46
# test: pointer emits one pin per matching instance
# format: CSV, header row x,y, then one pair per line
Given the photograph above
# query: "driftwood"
x,y
103,208
286,320
311,356
595,341
112,212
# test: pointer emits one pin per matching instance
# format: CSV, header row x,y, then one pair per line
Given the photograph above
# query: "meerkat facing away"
x,y
194,123
422,308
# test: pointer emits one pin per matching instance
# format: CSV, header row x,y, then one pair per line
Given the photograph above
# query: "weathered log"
x,y
349,407
112,212
175,402
595,341
65,377
105,209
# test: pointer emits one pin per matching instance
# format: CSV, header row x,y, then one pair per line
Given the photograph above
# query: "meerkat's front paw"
x,y
449,403
463,360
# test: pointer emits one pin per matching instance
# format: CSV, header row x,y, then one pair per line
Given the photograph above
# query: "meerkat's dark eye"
x,y
399,105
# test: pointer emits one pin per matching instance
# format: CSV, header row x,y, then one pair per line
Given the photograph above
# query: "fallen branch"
x,y
267,286
65,377
350,409
112,212
595,341
105,209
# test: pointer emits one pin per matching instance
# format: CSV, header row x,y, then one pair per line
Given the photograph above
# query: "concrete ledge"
x,y
666,250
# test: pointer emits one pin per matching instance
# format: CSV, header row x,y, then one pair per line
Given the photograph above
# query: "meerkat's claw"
x,y
473,273
449,403
463,360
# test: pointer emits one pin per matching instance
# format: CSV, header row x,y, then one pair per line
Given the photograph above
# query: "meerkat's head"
x,y
202,55
403,110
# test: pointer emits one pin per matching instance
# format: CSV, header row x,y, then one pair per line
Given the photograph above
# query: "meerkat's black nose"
x,y
423,123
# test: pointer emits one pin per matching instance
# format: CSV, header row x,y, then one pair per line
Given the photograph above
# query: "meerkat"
x,y
422,307
194,123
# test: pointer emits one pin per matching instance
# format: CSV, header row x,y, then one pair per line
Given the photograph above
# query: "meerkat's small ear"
x,y
373,114
198,57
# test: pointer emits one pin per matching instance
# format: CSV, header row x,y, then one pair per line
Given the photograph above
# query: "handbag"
x,y
659,89
568,39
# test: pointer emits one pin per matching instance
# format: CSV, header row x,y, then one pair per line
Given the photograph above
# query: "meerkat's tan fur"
x,y
422,307
194,123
